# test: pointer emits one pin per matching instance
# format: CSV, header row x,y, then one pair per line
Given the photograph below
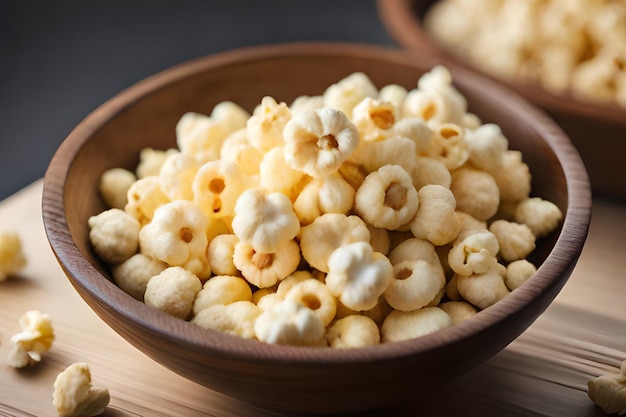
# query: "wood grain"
x,y
542,373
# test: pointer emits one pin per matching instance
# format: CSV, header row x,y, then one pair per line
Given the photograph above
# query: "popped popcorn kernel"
x,y
114,235
12,258
75,396
114,185
35,339
173,291
353,331
289,323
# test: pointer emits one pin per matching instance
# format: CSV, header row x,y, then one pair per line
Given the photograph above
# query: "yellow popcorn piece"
x,y
35,339
75,396
12,258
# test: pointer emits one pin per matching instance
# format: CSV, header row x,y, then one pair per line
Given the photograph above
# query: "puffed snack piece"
x,y
387,198
289,323
402,325
358,276
264,269
75,396
318,141
36,338
12,258
608,391
173,291
114,185
236,318
114,235
265,127
264,220
177,235
347,93
436,219
353,331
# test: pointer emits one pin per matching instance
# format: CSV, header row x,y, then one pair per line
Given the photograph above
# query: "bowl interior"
x,y
146,115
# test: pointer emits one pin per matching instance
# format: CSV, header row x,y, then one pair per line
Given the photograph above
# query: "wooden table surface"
x,y
543,373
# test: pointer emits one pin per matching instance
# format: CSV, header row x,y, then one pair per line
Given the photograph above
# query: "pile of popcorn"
x,y
356,217
575,46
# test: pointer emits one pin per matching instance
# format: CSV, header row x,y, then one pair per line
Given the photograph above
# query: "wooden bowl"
x,y
295,378
597,130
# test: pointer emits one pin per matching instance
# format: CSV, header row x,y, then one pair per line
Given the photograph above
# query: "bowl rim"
x,y
86,278
402,23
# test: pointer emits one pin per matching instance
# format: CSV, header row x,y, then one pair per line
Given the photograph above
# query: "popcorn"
x,y
177,236
237,318
173,291
265,127
289,323
357,275
279,222
114,185
414,285
331,194
12,259
387,198
221,289
74,396
35,339
346,220
264,269
401,325
133,274
328,232
608,391
436,219
317,142
114,235
353,331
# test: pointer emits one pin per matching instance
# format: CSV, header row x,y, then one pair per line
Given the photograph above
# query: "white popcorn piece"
x,y
276,175
516,240
264,220
353,331
430,171
237,149
317,297
306,103
173,291
413,249
133,274
75,396
436,219
114,235
416,130
518,272
221,289
177,175
237,318
289,323
458,310
449,145
396,150
513,178
317,142
358,276
541,216
265,127
35,338
394,94
264,269
487,147
151,161
374,119
144,197
328,232
200,136
220,254
401,325
474,254
12,258
331,194
484,289
114,185
476,192
608,391
230,116
216,187
177,236
387,198
348,92
414,284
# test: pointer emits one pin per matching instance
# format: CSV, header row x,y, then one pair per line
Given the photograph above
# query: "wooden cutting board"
x,y
543,373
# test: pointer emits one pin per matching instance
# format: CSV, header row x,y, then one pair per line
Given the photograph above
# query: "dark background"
x,y
59,60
